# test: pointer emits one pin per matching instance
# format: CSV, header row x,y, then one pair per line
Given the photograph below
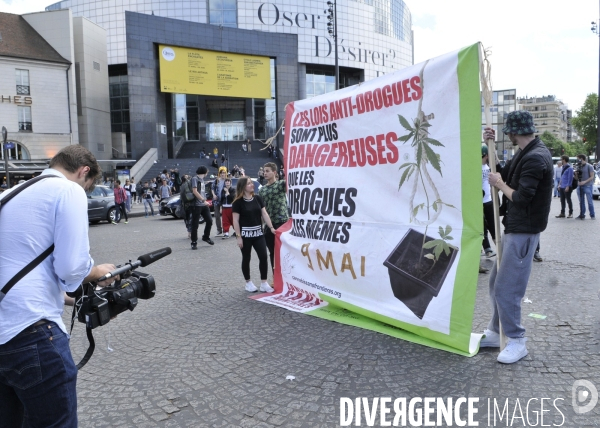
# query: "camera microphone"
x,y
142,261
146,259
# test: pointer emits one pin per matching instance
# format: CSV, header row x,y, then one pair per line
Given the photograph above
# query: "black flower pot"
x,y
414,282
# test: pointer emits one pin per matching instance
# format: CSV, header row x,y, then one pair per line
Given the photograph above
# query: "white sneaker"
x,y
491,339
225,236
250,287
219,235
266,287
514,351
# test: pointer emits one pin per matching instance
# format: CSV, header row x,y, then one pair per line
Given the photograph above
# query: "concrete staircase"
x,y
189,160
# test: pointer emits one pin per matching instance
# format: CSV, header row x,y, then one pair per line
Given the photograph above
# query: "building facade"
x,y
374,37
550,115
503,102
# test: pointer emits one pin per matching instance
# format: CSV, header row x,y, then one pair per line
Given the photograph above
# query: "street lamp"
x,y
596,31
332,29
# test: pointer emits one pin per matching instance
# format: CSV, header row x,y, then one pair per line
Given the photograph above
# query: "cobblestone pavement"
x,y
201,354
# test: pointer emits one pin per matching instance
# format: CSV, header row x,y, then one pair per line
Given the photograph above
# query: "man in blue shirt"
x,y
564,187
37,373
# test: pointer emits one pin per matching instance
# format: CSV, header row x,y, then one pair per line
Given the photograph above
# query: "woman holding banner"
x,y
248,213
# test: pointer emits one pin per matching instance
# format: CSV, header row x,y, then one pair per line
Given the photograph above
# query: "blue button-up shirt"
x,y
51,211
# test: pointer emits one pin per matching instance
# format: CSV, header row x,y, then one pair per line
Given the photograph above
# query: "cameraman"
x,y
37,373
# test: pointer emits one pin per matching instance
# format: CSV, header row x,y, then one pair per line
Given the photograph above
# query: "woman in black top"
x,y
248,211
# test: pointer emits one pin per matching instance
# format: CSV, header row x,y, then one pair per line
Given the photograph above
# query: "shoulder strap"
x,y
39,259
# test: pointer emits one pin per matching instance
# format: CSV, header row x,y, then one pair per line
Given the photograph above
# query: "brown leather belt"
x,y
40,322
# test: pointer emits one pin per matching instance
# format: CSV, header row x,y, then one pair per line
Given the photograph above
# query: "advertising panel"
x,y
202,72
384,188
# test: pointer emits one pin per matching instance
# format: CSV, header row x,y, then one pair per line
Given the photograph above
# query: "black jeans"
x,y
270,240
260,247
203,211
118,209
488,224
566,196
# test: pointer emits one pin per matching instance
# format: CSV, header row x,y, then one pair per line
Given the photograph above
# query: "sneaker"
x,y
592,218
208,241
537,257
561,215
194,245
514,351
126,221
570,215
113,222
490,253
219,235
483,270
225,236
580,217
250,287
266,287
490,339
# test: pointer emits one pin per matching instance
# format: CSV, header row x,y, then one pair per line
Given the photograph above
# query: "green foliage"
x,y
438,246
586,122
555,145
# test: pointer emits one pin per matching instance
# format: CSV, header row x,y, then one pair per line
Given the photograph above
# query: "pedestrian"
x,y
133,191
200,208
565,188
242,171
223,159
216,152
261,175
526,185
557,173
585,178
165,190
273,193
489,224
148,196
120,198
187,200
128,187
215,164
139,190
154,187
216,190
38,376
248,211
227,198
249,145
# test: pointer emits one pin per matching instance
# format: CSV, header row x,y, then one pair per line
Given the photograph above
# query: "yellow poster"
x,y
195,71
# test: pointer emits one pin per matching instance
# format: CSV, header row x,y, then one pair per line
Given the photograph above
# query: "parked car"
x,y
596,187
169,205
101,204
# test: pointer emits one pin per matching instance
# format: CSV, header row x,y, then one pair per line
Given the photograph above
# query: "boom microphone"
x,y
146,259
143,260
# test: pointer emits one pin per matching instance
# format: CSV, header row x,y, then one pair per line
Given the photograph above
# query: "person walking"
x,y
200,208
557,173
148,196
261,176
585,178
128,189
273,194
139,190
133,191
227,198
526,186
217,189
165,190
565,188
248,211
120,198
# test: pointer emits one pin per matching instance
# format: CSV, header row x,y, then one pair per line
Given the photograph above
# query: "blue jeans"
x,y
585,192
148,203
556,183
38,379
508,285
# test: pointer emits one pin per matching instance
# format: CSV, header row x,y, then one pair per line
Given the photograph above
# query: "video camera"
x,y
97,306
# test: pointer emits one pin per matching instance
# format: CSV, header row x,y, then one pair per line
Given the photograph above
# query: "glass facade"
x,y
222,12
503,102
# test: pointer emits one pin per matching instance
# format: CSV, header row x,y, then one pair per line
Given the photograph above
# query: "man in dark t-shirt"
x,y
200,208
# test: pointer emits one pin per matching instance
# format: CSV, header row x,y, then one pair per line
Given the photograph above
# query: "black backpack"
x,y
186,194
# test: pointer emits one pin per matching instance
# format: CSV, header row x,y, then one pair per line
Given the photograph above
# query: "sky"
x,y
538,47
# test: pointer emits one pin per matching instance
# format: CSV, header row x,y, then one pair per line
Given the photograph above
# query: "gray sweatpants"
x,y
508,285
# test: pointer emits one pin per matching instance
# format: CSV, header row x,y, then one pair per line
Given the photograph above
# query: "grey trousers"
x,y
218,223
509,283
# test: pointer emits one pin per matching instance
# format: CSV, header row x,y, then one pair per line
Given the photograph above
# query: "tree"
x,y
555,145
586,122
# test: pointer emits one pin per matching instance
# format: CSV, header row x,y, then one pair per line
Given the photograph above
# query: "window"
x,y
223,12
22,82
25,119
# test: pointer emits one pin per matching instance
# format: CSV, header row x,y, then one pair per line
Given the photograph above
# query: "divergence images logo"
x,y
168,54
584,391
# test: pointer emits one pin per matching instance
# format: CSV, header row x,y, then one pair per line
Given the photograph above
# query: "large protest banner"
x,y
384,186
